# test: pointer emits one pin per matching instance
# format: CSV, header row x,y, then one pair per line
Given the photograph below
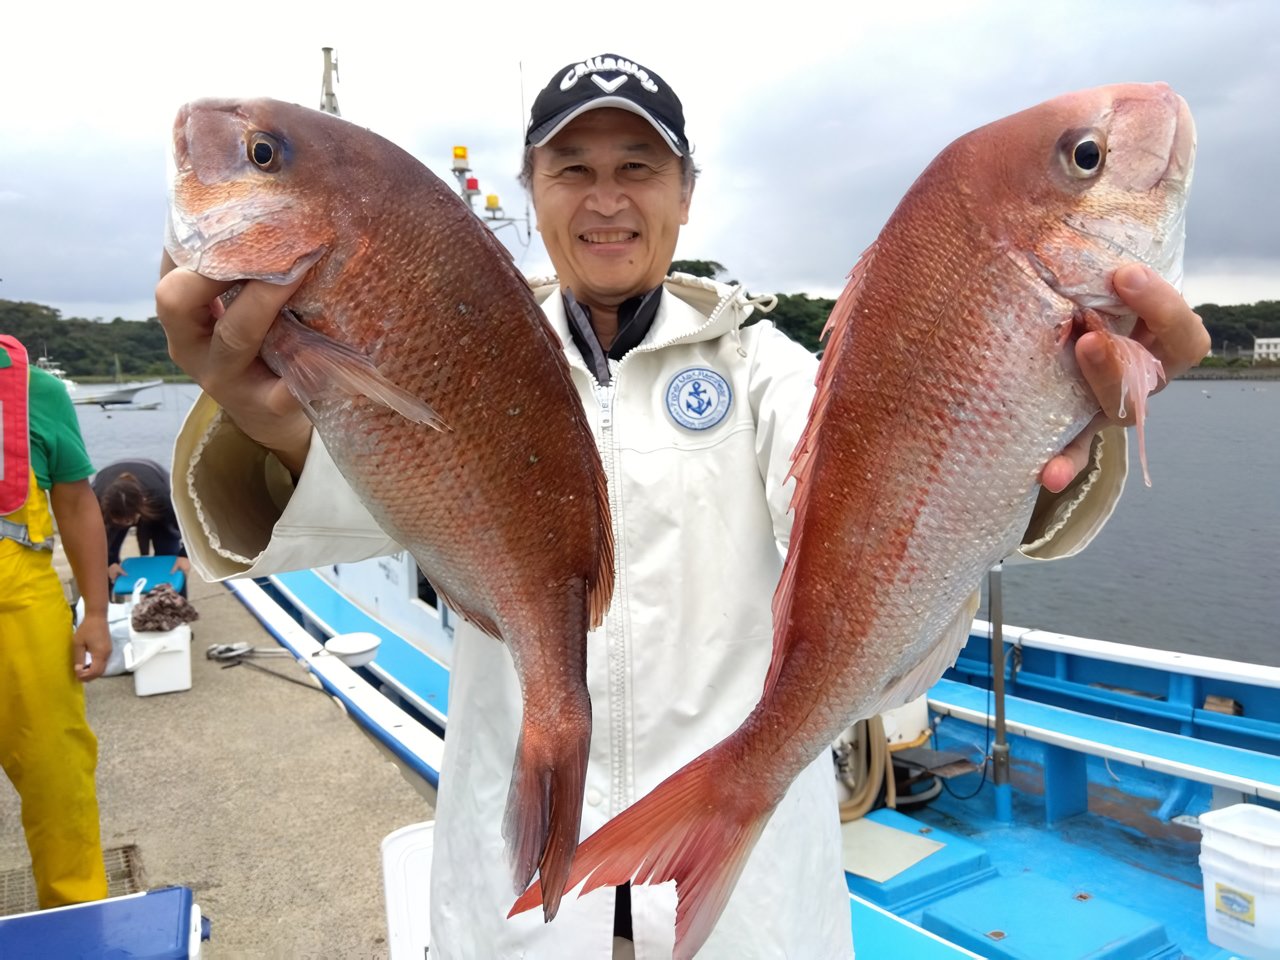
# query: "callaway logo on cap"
x,y
607,81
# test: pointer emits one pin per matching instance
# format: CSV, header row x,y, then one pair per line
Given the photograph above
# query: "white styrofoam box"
x,y
406,881
160,660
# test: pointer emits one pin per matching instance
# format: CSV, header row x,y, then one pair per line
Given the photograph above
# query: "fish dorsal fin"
x,y
315,367
837,334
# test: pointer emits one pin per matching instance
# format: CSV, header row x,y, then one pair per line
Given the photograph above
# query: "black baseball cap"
x,y
607,81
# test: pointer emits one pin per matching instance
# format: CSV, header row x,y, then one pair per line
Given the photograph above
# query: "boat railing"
x,y
1208,698
1215,668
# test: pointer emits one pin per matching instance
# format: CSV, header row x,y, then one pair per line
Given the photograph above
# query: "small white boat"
x,y
102,394
153,405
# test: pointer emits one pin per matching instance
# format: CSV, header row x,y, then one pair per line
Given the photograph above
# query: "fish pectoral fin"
x,y
940,658
313,366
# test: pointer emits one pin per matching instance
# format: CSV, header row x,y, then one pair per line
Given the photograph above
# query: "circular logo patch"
x,y
698,398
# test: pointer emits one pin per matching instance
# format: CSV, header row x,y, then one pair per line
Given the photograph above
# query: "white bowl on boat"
x,y
353,649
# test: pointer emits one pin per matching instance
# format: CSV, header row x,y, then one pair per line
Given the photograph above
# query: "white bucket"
x,y
1240,860
160,661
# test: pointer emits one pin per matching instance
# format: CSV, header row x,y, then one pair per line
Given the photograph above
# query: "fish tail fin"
x,y
544,805
694,828
314,366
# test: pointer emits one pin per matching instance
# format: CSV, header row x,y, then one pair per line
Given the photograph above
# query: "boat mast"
x,y
329,99
468,185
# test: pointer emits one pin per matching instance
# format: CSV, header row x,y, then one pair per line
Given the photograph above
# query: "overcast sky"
x,y
808,125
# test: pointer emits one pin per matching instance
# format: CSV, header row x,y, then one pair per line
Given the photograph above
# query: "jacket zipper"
x,y
615,642
621,777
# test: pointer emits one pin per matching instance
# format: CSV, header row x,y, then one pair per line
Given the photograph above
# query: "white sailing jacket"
x,y
696,432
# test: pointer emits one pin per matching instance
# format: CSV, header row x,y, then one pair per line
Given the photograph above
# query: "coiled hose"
x,y
865,765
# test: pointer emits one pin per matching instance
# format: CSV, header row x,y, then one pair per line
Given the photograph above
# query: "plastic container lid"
x,y
154,570
1248,821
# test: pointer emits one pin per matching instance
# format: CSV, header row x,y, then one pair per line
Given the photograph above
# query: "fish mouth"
x,y
1182,152
206,245
180,155
1155,232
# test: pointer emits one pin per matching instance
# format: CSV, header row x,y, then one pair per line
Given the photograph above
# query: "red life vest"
x,y
15,450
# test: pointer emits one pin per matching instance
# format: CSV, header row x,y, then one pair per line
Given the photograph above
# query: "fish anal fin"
x,y
693,828
315,366
600,589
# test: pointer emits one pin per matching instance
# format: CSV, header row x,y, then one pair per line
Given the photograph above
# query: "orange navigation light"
x,y
460,158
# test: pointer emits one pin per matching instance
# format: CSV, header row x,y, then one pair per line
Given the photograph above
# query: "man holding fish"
x,y
696,419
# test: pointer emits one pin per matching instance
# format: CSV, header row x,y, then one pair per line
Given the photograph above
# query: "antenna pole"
x,y
329,99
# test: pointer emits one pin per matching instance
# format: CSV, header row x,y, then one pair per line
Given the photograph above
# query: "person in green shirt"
x,y
47,748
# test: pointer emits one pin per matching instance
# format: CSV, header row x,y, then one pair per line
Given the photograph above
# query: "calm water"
x,y
1191,564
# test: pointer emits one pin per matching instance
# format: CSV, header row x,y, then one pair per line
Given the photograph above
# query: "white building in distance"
x,y
1266,348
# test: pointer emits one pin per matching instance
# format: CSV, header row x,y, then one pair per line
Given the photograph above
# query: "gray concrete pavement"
x,y
259,794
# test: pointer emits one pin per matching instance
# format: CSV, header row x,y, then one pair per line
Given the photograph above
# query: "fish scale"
x,y
948,382
441,394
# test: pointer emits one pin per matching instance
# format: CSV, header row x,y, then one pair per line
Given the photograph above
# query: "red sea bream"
x,y
949,380
441,393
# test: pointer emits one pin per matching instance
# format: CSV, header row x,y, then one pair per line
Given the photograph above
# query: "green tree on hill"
x,y
86,348
1235,327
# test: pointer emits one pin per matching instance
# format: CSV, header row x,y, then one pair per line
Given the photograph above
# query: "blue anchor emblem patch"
x,y
698,398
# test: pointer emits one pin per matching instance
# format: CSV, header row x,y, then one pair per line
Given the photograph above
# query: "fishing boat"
x,y
1044,799
105,394
1051,796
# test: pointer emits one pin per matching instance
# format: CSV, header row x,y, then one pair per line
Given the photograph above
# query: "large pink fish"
x,y
441,393
948,383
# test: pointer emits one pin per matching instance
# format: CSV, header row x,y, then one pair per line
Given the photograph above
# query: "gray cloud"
x,y
806,146
814,170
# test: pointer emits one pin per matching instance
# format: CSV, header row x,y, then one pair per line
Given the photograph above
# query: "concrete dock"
x,y
259,794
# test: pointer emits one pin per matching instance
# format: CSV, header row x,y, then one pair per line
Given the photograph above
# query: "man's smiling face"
x,y
610,202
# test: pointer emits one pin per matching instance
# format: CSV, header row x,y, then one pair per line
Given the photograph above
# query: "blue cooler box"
x,y
156,925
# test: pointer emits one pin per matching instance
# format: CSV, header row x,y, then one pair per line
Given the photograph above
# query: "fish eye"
x,y
1087,155
1083,153
264,152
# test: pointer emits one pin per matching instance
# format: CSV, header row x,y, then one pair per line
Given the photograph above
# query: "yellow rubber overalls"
x,y
47,749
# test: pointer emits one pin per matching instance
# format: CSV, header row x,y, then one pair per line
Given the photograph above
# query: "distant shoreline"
x,y
166,377
1232,373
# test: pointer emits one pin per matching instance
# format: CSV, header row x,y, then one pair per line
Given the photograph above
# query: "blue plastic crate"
x,y
161,924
